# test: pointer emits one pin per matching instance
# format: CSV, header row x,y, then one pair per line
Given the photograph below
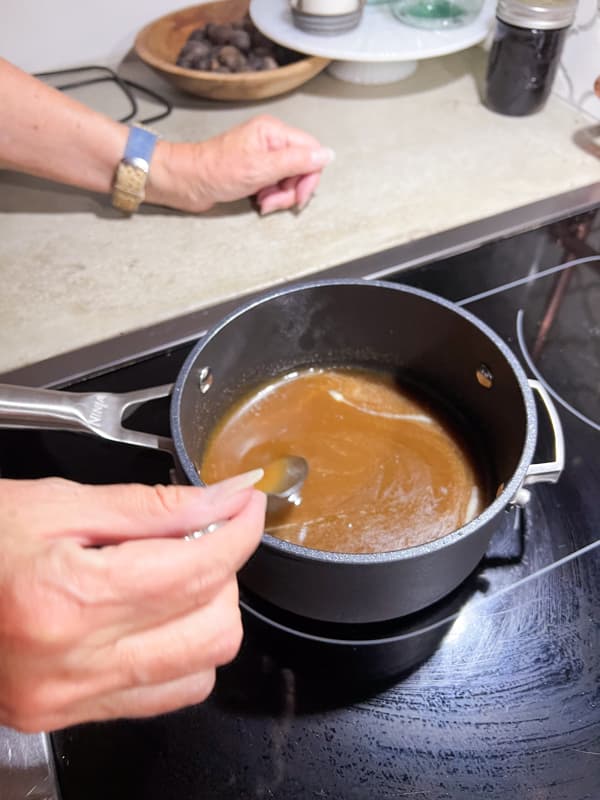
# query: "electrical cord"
x,y
124,84
151,93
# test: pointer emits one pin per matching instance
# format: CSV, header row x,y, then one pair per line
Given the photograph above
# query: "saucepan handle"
x,y
98,413
548,471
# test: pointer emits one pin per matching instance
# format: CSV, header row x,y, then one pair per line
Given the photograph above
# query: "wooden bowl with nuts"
x,y
214,50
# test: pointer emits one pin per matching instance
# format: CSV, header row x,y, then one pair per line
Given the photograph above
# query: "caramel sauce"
x,y
274,478
386,469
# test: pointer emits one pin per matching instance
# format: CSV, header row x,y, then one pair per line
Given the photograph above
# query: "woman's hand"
x,y
133,628
49,134
264,157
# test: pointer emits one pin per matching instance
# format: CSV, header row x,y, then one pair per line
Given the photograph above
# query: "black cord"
x,y
132,101
110,75
124,84
151,93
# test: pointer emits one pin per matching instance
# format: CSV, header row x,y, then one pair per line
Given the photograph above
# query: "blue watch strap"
x,y
140,147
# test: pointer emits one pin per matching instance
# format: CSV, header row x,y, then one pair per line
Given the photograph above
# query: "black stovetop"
x,y
493,693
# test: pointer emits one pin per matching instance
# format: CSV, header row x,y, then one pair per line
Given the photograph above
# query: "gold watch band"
x,y
129,187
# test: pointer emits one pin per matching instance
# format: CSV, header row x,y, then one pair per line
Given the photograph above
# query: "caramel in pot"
x,y
386,469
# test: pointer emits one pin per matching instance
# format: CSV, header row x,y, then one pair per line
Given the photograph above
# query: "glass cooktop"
x,y
492,693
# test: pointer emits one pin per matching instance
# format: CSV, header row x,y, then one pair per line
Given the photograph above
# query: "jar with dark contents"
x,y
525,54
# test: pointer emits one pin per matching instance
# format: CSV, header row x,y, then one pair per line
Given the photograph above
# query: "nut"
x,y
236,47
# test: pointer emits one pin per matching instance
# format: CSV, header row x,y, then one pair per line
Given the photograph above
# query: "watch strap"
x,y
132,171
129,187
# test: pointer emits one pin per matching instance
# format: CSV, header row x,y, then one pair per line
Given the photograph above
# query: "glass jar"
x,y
525,54
436,14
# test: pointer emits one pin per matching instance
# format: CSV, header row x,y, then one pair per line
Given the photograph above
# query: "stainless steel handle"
x,y
548,471
98,413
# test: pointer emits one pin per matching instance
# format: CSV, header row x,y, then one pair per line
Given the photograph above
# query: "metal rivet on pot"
x,y
205,379
522,497
484,376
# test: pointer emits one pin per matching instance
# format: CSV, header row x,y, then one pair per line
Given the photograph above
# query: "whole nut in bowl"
x,y
234,47
214,50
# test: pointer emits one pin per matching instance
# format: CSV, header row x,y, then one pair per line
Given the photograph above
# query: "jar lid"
x,y
537,13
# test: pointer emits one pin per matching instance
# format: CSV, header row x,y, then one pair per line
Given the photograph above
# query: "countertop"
x,y
413,159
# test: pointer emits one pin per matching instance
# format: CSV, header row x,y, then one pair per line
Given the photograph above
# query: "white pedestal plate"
x,y
380,50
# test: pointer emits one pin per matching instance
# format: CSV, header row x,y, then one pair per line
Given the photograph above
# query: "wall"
x,y
40,35
49,34
580,64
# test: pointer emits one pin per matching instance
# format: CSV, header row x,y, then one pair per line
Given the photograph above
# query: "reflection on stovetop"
x,y
493,692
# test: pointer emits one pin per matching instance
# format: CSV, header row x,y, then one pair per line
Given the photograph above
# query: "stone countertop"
x,y
413,158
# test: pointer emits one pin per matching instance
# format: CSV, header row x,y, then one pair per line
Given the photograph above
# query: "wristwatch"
x,y
132,172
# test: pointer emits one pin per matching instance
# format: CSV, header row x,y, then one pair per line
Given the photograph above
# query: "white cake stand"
x,y
380,50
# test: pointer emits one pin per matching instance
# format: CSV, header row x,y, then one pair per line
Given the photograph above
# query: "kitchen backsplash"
x,y
64,33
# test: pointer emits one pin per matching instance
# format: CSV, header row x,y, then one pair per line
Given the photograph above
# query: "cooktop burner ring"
x,y
534,369
559,337
364,653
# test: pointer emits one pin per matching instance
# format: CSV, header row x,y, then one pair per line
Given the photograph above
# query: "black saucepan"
x,y
333,323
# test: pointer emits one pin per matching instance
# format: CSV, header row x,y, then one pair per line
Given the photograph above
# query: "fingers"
x,y
279,135
84,632
263,195
97,515
160,669
291,167
281,164
136,511
140,582
137,583
149,701
305,188
137,702
204,638
290,192
279,197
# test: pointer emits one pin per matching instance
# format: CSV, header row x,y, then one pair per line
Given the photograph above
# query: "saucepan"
x,y
362,323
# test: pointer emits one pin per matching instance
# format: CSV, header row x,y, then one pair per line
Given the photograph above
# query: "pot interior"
x,y
420,339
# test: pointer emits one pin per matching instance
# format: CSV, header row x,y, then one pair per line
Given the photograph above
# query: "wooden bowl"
x,y
159,44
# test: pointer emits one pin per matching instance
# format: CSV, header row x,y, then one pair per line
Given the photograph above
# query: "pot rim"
x,y
291,550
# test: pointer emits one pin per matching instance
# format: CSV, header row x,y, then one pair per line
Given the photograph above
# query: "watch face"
x,y
140,146
138,163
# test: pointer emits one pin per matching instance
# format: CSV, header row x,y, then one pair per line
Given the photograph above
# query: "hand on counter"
x,y
264,157
48,134
133,628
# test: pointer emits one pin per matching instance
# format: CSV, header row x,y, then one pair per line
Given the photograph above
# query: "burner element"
x,y
559,335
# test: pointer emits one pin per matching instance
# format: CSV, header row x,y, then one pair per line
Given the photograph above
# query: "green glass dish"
x,y
436,14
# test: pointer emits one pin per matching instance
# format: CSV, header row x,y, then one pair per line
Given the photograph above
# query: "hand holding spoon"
x,y
282,481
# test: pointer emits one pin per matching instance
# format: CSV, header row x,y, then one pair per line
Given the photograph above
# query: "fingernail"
x,y
269,206
323,156
301,206
266,206
233,485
